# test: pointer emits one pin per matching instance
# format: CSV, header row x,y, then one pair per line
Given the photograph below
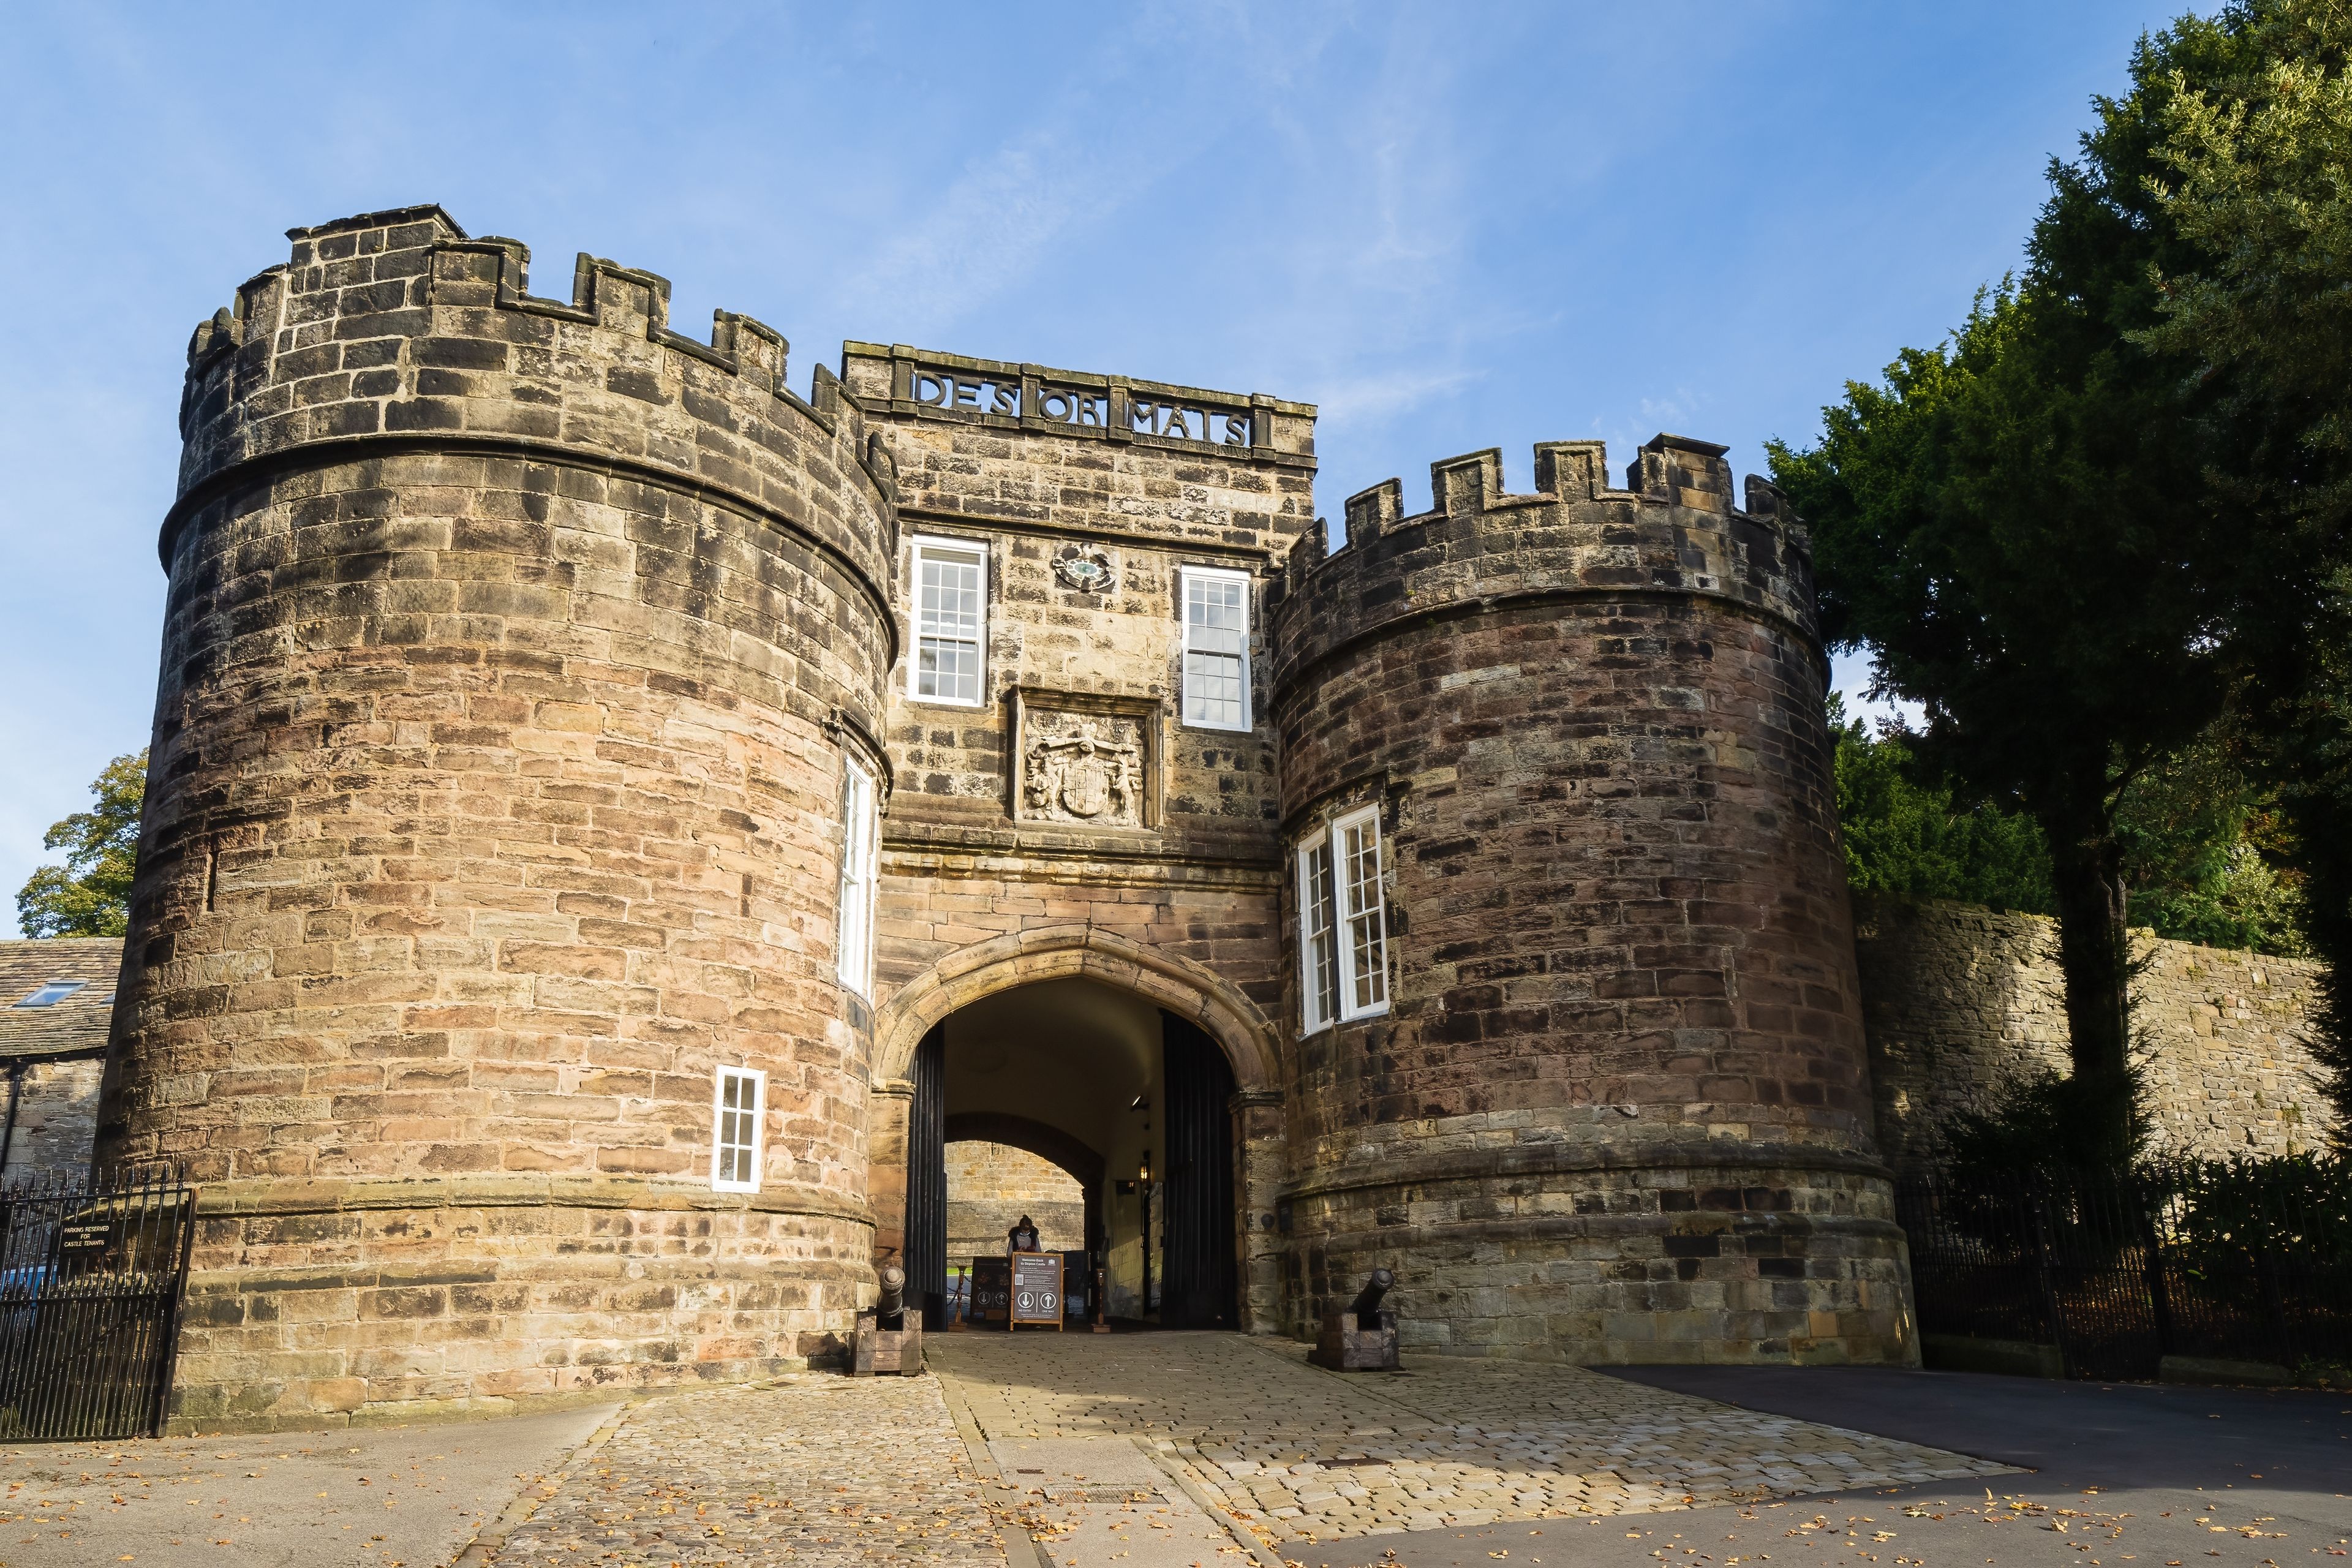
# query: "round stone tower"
x,y
1616,1109
514,655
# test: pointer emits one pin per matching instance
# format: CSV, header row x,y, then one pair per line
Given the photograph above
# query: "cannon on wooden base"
x,y
1364,1337
888,1337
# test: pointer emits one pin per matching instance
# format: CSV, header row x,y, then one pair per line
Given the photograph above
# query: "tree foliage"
x,y
2017,525
1906,838
2253,171
89,895
2202,843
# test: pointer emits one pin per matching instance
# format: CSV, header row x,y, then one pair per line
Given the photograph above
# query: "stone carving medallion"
x,y
1083,768
1087,571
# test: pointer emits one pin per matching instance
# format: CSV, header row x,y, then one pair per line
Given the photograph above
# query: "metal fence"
x,y
91,1276
2232,1263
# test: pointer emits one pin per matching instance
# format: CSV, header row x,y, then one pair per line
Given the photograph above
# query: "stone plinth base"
x,y
315,1304
1615,1258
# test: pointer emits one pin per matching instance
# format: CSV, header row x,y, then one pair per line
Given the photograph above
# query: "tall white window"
x,y
950,621
1364,950
735,1110
1216,647
1342,921
1318,956
860,845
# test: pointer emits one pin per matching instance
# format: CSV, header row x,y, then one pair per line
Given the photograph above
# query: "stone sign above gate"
x,y
1085,760
1117,408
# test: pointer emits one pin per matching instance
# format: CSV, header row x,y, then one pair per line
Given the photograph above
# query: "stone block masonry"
x,y
1959,1000
1616,1109
517,654
512,650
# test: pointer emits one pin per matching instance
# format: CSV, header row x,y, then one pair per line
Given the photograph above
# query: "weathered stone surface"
x,y
1959,1000
1618,1109
493,805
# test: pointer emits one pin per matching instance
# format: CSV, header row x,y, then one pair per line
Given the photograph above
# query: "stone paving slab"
x,y
1299,1455
1101,1501
385,1496
814,1468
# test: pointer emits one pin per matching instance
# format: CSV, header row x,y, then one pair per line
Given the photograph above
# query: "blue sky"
x,y
1451,226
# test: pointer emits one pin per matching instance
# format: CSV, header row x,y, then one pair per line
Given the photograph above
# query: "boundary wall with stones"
x,y
1617,1109
1958,999
512,650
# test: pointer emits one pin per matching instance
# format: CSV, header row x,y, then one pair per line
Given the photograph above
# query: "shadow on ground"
x,y
2157,1478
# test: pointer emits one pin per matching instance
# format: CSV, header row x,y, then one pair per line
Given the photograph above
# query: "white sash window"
x,y
735,1110
860,846
1216,607
1342,921
951,622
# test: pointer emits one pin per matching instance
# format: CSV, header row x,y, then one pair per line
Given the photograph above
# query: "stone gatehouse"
x,y
613,821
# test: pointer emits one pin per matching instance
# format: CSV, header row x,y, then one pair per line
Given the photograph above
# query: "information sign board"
x,y
1037,1289
992,1291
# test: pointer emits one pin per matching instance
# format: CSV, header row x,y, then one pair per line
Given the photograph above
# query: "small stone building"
x,y
56,999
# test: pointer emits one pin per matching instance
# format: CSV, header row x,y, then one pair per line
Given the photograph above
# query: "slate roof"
x,y
69,1027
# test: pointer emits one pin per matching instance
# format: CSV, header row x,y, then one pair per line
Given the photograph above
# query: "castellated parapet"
x,y
1618,1108
513,652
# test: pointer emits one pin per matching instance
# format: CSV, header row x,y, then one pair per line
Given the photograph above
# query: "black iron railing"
x,y
2250,1262
91,1276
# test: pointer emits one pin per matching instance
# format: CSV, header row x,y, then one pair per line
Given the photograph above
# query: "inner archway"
x,y
1073,1086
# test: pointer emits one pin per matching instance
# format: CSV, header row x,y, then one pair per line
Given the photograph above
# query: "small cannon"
x,y
888,1337
1364,1337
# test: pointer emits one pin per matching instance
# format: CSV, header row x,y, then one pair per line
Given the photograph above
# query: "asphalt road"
x,y
2157,1478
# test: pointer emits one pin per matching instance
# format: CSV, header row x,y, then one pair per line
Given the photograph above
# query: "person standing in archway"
x,y
1022,1238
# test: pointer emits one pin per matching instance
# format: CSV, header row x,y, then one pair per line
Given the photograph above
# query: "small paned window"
x,y
1366,947
1216,647
55,992
735,1109
950,621
1318,956
861,831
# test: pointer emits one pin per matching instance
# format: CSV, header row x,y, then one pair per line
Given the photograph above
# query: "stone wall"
x,y
1087,495
992,1186
1616,1109
56,1121
512,651
1958,999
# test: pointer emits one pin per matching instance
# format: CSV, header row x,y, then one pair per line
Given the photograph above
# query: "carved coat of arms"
x,y
1085,775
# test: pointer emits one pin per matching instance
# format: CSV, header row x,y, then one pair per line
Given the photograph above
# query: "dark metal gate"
x,y
1201,1288
926,1261
2119,1272
90,1280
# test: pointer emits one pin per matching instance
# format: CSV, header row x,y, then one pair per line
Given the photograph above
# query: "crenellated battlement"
x,y
1673,529
397,329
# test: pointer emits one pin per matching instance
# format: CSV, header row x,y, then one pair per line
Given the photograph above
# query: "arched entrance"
x,y
1145,1077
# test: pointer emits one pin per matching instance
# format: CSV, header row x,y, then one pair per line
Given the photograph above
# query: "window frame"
x,y
719,1113
1186,574
922,547
1318,973
861,845
1339,987
1343,886
49,993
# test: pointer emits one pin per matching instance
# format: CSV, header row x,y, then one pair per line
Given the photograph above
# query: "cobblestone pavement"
x,y
816,1468
1298,1453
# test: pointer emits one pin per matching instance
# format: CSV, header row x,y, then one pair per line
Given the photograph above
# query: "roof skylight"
x,y
55,992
